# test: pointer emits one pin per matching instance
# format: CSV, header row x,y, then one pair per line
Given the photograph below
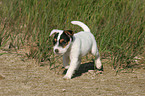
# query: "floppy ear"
x,y
69,32
55,31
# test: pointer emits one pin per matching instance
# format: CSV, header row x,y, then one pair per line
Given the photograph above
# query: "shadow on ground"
x,y
83,69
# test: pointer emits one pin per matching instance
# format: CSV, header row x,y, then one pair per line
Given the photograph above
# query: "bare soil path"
x,y
20,77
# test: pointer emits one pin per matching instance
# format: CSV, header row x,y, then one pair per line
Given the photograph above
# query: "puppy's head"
x,y
62,40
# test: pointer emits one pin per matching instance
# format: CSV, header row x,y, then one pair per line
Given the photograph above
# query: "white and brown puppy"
x,y
74,46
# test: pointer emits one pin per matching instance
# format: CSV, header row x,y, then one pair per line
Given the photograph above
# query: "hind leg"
x,y
95,52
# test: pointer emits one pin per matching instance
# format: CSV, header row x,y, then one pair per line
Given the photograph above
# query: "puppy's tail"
x,y
81,24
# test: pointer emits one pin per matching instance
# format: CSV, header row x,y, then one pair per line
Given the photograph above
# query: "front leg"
x,y
66,61
75,62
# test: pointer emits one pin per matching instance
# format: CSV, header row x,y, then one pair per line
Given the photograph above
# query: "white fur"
x,y
81,24
83,43
56,31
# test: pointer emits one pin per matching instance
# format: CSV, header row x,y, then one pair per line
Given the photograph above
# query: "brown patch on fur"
x,y
55,40
69,32
61,40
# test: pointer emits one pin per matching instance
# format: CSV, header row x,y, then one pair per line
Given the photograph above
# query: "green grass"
x,y
118,25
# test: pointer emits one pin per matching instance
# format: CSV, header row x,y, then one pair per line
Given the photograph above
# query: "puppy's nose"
x,y
56,50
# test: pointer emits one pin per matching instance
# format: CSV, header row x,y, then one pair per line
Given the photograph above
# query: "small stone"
x,y
63,90
1,77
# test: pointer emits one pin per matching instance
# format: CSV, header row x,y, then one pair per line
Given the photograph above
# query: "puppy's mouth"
x,y
58,53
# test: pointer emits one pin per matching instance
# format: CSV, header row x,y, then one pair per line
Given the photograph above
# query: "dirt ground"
x,y
24,77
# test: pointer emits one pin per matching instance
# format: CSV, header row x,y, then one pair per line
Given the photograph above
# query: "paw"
x,y
100,69
99,65
67,77
66,67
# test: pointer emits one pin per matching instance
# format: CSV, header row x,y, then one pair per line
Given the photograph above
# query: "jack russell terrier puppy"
x,y
74,46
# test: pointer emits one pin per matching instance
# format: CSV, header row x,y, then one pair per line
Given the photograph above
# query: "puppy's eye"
x,y
63,42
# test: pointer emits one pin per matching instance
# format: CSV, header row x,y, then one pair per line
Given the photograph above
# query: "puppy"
x,y
74,46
